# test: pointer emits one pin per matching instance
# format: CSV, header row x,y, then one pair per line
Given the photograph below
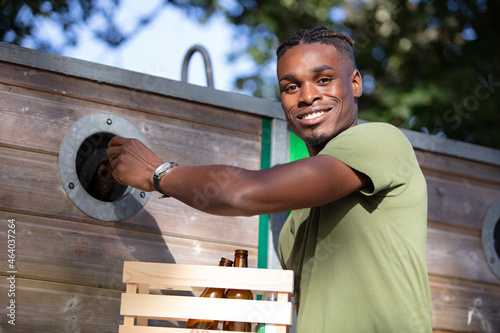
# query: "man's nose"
x,y
309,93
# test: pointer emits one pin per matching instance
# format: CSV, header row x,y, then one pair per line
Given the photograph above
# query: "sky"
x,y
159,48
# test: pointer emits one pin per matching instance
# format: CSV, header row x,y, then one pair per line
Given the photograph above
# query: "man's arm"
x,y
226,190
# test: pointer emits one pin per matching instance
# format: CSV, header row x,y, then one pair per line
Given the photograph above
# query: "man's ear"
x,y
357,83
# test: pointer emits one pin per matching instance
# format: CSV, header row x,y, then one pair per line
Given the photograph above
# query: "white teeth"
x,y
313,115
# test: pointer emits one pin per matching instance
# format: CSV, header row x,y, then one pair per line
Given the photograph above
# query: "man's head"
x,y
319,85
342,43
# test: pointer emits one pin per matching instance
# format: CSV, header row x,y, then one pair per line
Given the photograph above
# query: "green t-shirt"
x,y
360,262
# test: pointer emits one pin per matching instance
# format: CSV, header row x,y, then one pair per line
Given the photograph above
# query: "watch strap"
x,y
156,183
159,175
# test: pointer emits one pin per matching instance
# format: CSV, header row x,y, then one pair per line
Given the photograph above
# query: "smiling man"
x,y
356,236
319,87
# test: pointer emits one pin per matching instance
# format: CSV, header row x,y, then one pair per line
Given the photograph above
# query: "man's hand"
x,y
133,163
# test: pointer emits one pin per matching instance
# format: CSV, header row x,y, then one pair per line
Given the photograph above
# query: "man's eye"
x,y
324,80
290,88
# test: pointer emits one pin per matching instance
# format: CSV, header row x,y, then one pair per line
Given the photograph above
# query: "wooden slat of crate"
x,y
139,329
181,276
185,307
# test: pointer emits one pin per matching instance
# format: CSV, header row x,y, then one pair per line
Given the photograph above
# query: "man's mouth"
x,y
313,115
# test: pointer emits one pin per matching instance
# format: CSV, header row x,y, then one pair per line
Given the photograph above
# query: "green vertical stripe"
x,y
265,163
298,148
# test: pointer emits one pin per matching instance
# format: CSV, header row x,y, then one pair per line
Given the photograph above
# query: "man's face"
x,y
318,93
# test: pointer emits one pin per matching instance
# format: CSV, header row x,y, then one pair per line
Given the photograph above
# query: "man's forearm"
x,y
215,189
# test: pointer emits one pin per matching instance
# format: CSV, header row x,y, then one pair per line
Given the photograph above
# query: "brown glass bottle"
x,y
211,293
240,260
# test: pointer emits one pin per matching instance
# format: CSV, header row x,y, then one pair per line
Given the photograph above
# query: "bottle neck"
x,y
241,258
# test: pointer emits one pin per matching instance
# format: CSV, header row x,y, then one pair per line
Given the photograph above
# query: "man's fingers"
x,y
114,147
131,161
116,177
113,153
117,141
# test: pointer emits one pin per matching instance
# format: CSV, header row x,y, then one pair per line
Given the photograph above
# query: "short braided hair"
x,y
342,43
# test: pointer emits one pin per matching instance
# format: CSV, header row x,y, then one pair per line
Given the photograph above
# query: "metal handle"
x,y
206,59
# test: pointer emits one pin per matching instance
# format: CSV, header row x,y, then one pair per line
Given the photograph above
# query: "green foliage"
x,y
434,63
20,19
428,65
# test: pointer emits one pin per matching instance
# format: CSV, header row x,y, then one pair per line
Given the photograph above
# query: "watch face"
x,y
162,168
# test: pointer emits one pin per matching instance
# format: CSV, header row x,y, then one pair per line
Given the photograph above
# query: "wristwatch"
x,y
159,173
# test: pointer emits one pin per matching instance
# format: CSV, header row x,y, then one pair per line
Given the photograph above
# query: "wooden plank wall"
x,y
70,265
465,292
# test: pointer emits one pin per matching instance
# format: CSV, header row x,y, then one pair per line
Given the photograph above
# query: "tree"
x,y
427,65
434,65
19,21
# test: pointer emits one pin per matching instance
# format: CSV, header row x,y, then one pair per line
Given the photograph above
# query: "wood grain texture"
x,y
33,178
459,191
58,245
465,292
138,329
27,118
465,306
61,86
161,307
43,306
93,255
167,275
457,255
459,202
450,165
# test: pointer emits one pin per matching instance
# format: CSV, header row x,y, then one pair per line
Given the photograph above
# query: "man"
x,y
356,237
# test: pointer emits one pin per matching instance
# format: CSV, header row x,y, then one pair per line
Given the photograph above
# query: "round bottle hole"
x,y
94,171
85,172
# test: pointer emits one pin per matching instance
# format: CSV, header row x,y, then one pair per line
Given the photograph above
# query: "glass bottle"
x,y
268,296
211,293
240,260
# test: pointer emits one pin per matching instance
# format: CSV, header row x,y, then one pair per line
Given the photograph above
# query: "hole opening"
x,y
94,170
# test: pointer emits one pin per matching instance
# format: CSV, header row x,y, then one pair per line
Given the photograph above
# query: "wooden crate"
x,y
138,304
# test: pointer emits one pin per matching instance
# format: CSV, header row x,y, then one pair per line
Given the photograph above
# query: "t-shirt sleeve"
x,y
380,151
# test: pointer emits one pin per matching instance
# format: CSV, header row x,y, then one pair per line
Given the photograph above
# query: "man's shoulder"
x,y
368,134
375,127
